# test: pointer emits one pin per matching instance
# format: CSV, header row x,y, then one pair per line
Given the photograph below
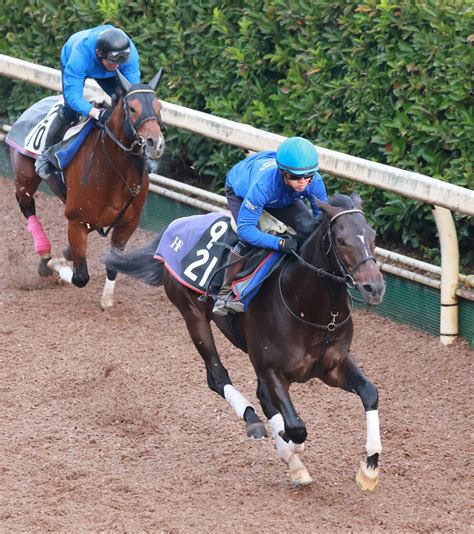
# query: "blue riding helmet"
x,y
297,156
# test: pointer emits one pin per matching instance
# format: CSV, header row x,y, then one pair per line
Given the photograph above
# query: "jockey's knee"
x,y
68,115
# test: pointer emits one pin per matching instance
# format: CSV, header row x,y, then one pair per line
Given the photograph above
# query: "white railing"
x,y
443,196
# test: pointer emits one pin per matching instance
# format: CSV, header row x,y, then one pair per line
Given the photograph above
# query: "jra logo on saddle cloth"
x,y
195,249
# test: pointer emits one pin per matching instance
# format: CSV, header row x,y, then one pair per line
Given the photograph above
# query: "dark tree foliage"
x,y
385,81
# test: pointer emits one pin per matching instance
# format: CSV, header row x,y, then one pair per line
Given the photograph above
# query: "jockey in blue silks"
x,y
277,182
95,53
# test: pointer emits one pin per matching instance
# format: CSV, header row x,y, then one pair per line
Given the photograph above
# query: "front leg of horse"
x,y
26,185
77,236
119,238
195,314
107,298
288,429
348,376
367,476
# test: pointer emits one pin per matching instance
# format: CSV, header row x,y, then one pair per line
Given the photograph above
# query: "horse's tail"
x,y
138,263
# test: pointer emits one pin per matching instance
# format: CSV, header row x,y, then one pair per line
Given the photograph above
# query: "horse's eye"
x,y
132,109
341,242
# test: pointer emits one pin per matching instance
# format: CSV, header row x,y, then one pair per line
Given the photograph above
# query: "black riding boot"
x,y
224,302
56,131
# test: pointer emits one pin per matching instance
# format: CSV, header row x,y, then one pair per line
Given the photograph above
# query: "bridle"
x,y
131,129
348,273
131,132
346,278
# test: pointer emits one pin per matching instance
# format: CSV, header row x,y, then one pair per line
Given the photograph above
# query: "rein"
x,y
345,279
138,141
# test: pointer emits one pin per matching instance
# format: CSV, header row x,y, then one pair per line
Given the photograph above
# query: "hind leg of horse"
x,y
77,237
287,450
119,238
349,377
218,380
26,185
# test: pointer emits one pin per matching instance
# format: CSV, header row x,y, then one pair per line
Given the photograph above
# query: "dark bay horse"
x,y
107,183
298,327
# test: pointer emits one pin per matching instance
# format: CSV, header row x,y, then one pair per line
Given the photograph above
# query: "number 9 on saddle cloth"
x,y
195,250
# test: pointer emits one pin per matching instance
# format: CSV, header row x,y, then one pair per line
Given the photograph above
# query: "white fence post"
x,y
449,321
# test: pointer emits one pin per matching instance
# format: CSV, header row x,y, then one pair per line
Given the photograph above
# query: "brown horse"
x,y
298,327
107,183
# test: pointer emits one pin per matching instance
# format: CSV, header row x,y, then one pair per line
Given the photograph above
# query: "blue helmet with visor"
x,y
297,156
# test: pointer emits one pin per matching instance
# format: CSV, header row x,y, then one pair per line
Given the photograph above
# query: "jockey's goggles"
x,y
119,56
294,177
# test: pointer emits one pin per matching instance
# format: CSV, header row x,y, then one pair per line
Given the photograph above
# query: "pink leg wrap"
x,y
42,243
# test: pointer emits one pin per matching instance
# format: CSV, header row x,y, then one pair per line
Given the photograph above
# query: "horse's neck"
x,y
125,161
116,123
315,253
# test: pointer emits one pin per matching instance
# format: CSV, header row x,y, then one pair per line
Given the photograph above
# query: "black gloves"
x,y
288,244
104,115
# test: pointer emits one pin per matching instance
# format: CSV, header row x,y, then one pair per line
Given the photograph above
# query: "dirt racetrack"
x,y
107,423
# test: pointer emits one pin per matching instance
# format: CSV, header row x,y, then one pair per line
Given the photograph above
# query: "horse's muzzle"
x,y
154,147
369,281
372,291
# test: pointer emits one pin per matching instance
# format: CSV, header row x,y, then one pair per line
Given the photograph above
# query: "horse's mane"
x,y
341,201
305,227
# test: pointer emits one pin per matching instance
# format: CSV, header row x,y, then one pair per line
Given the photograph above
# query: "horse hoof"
x,y
43,269
106,302
300,478
367,479
256,431
299,475
67,253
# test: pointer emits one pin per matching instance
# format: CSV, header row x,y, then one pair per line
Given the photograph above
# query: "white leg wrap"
x,y
238,402
65,273
373,445
61,267
278,425
107,299
284,449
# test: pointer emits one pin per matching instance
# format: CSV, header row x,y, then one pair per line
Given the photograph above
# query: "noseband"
x,y
344,270
348,273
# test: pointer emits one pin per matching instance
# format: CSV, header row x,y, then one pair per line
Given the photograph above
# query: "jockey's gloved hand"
x,y
103,117
288,244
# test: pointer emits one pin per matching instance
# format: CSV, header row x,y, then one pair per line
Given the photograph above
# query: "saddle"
x,y
30,131
195,249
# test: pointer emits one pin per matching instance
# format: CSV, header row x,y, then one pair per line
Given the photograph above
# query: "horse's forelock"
x,y
139,87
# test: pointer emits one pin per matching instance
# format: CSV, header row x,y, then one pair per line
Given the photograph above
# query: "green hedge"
x,y
383,80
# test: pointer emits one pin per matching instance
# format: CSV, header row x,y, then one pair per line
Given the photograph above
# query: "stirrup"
x,y
223,306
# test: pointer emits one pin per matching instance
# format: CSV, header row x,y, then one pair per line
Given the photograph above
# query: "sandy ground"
x,y
108,425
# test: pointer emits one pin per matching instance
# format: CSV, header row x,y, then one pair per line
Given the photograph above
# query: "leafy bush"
x,y
382,80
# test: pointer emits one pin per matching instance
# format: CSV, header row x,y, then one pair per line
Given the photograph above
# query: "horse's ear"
x,y
355,197
124,83
329,210
156,79
115,96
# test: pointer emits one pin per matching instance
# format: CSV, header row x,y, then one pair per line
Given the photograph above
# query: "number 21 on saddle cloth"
x,y
195,249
